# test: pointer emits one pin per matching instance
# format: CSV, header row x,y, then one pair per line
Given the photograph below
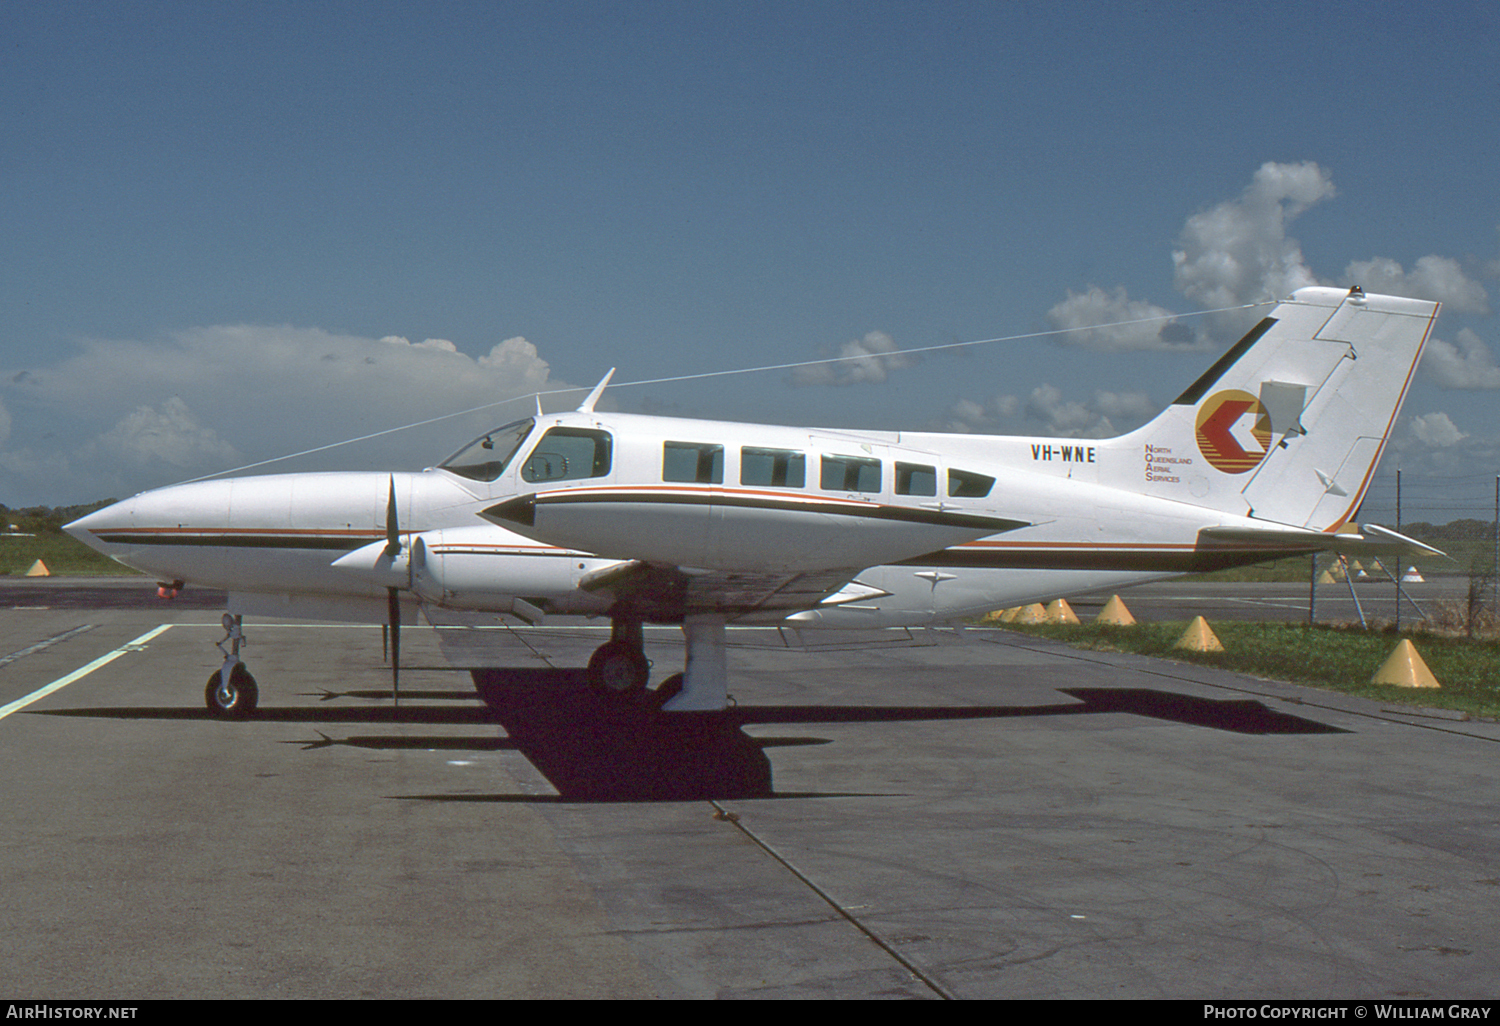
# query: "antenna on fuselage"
x,y
588,404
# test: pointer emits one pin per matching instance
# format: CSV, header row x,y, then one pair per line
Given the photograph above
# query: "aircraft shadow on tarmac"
x,y
595,748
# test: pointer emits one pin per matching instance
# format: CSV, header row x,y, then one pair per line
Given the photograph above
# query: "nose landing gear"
x,y
231,693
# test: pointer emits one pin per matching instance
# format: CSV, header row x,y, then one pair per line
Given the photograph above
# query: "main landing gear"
x,y
231,693
619,667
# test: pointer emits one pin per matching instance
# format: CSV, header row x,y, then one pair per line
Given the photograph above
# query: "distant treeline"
x,y
1455,530
46,519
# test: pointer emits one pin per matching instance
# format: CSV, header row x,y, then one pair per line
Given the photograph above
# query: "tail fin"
x,y
1289,425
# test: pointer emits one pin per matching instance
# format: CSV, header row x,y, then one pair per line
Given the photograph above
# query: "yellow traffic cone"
x,y
1199,637
1060,612
1115,613
39,569
1034,613
1405,669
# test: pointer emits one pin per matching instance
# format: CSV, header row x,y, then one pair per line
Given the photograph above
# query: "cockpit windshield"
x,y
485,458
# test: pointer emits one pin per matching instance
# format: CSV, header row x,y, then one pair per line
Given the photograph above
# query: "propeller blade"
x,y
393,609
392,523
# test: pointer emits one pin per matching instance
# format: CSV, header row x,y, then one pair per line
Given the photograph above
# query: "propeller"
x,y
392,594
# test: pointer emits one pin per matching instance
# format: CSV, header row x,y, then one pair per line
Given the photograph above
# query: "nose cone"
x,y
88,529
142,531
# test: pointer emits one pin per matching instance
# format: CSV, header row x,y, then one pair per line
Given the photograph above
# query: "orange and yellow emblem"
x,y
1224,440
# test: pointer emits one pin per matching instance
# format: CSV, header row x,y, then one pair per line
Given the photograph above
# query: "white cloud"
x,y
1046,412
4,424
1466,364
442,345
1432,277
1229,255
1113,322
1136,407
1436,430
1065,418
861,360
1239,251
168,434
125,415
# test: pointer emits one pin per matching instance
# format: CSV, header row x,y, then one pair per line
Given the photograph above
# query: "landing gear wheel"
x,y
237,699
618,668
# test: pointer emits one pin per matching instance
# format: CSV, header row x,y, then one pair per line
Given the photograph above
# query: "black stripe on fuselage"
x,y
872,510
242,541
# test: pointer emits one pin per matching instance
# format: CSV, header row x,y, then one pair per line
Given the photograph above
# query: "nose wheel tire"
x,y
618,668
235,700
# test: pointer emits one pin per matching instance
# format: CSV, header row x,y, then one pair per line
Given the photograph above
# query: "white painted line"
x,y
81,672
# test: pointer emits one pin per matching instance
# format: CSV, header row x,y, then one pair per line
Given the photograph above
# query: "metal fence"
x,y
1459,514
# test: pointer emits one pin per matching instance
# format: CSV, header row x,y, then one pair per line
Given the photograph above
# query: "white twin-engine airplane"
x,y
705,523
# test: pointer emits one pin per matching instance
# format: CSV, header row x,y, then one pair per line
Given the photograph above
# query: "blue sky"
x,y
237,230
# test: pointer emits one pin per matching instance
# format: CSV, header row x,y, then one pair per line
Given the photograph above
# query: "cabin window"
x,y
850,474
484,459
692,461
785,468
965,484
568,454
915,479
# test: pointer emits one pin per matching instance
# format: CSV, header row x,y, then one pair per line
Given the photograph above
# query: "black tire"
x,y
238,701
618,668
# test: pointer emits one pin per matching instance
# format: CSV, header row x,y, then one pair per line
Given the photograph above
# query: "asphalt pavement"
x,y
921,814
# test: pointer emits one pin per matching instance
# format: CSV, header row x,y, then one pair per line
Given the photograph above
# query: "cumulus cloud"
x,y
1112,321
1436,430
1239,251
862,360
1064,417
168,434
1432,277
120,415
1046,412
1232,254
1465,363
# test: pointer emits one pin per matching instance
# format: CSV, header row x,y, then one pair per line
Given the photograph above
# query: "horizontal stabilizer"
x,y
1373,541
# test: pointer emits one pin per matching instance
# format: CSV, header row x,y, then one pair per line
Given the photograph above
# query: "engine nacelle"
x,y
487,568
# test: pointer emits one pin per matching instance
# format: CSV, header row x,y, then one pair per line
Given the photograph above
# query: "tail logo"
x,y
1229,439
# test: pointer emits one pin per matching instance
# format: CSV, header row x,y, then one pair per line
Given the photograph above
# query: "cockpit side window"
x,y
485,459
568,454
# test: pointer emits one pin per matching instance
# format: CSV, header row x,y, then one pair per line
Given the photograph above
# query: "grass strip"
x,y
1337,658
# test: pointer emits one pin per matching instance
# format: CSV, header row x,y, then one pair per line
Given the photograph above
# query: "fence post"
x,y
1397,578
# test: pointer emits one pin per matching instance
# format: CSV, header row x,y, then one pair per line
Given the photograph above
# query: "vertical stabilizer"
x,y
1289,425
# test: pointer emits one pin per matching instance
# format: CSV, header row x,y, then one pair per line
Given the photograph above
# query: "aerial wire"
x,y
724,374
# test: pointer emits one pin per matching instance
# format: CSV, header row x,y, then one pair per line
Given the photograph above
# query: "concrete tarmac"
x,y
893,814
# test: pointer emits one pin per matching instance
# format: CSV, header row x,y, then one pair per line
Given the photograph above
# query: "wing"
x,y
669,593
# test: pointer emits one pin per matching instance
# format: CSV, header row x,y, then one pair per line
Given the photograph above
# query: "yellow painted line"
x,y
82,671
